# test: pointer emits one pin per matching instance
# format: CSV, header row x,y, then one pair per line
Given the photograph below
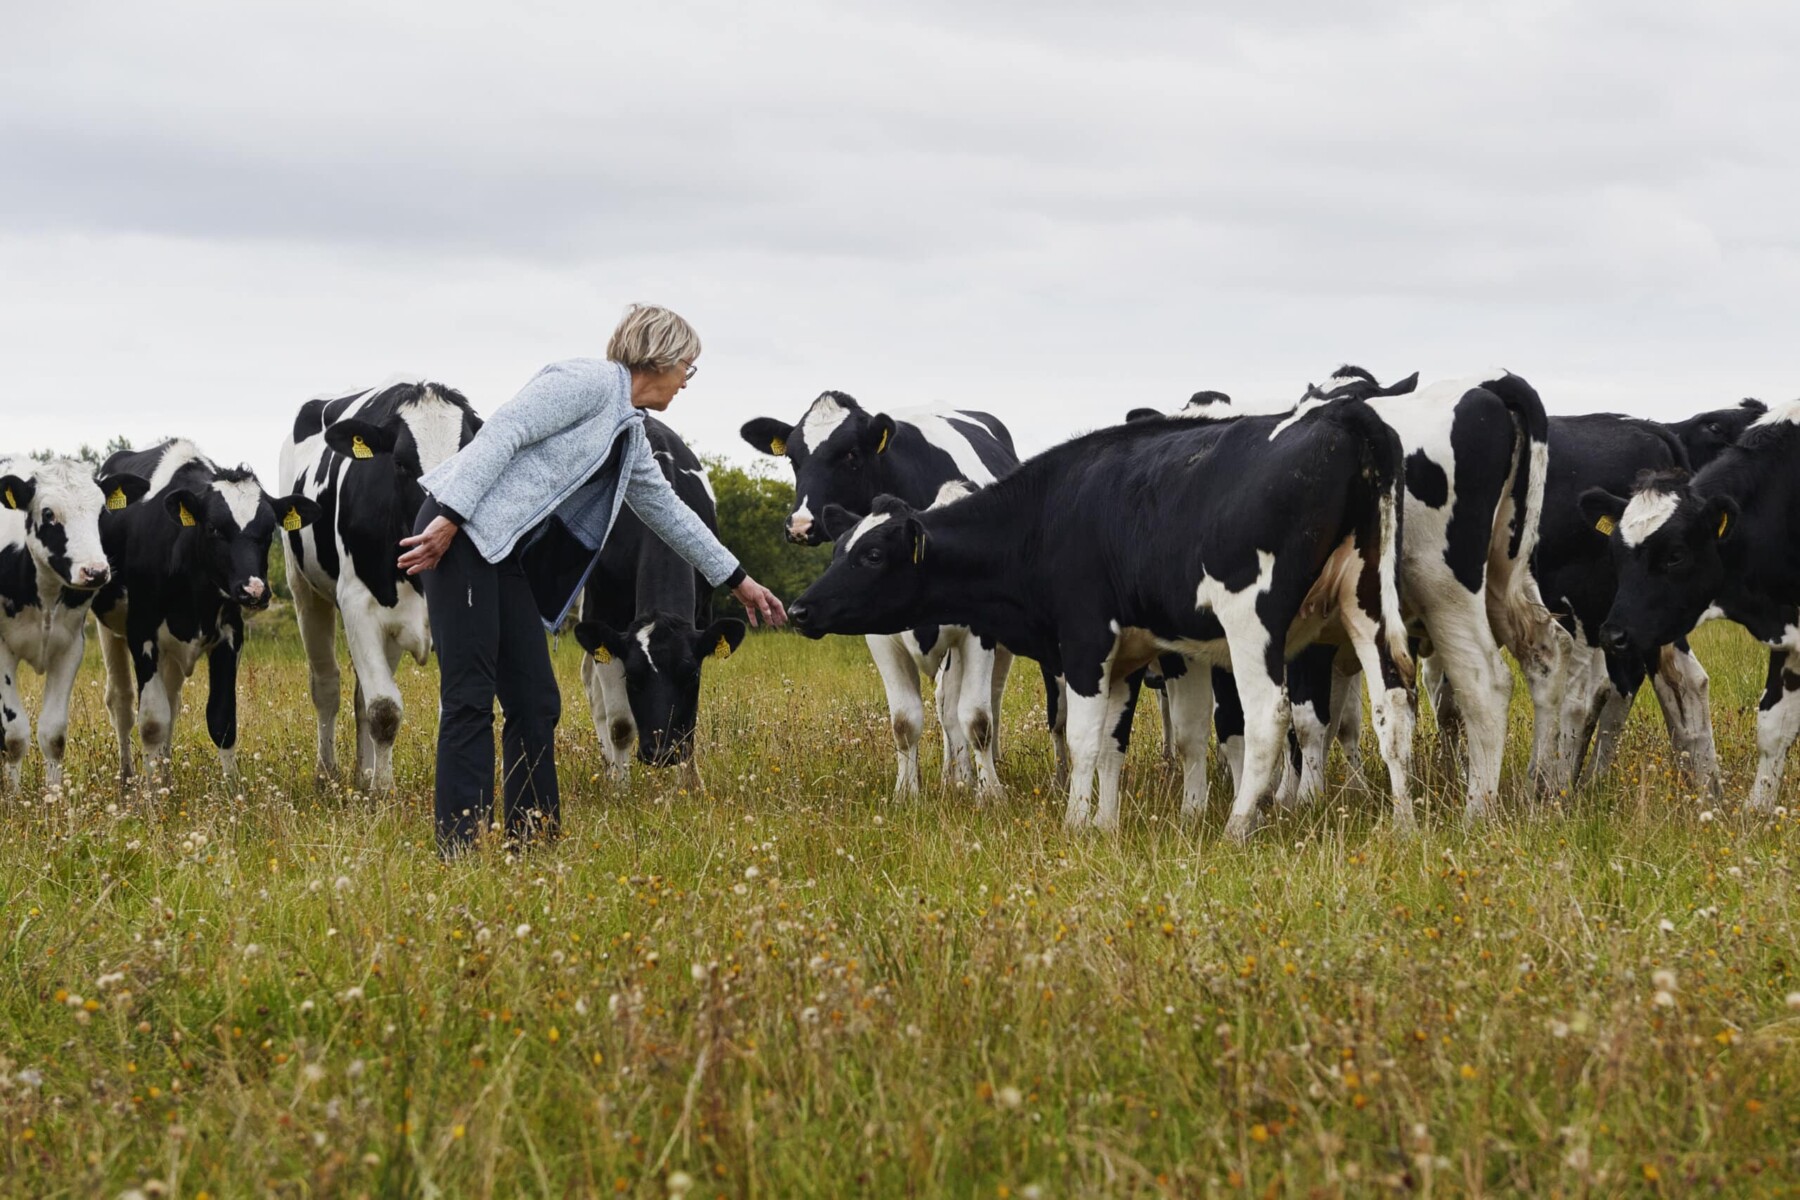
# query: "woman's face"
x,y
654,390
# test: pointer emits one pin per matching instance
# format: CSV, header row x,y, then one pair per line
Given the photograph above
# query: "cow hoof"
x,y
1239,828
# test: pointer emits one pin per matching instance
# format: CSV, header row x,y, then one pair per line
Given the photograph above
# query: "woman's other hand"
x,y
428,547
758,601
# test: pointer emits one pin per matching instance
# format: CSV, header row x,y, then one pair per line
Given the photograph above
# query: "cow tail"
x,y
1522,612
1383,524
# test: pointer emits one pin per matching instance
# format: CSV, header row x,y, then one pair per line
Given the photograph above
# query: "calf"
x,y
51,567
1579,582
187,563
843,454
647,629
1235,542
1726,538
359,458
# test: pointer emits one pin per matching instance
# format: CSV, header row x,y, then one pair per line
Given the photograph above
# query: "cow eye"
x,y
46,516
872,556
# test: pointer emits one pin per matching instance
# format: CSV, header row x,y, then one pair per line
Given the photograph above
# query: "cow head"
x,y
1666,542
226,529
835,451
662,657
61,503
1353,381
876,576
1704,435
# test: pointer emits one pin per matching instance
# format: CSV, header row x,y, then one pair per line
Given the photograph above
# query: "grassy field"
x,y
791,986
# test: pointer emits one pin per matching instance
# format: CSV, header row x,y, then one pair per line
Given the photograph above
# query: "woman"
x,y
509,531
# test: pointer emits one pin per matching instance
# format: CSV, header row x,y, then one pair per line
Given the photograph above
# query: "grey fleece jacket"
x,y
538,454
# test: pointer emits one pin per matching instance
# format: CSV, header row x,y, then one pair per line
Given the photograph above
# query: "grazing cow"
x,y
1578,581
359,458
1239,542
1726,538
646,626
51,568
186,562
845,455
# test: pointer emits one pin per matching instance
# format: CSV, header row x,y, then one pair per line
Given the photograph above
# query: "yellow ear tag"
x,y
723,649
1723,522
10,502
1605,525
292,521
117,500
187,518
777,446
360,449
602,654
918,549
885,434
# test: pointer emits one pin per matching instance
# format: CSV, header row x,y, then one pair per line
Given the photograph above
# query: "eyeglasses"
x,y
691,368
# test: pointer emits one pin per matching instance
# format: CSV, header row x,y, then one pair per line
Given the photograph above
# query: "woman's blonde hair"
x,y
651,337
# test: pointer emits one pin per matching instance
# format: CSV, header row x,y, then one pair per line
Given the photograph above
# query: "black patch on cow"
x,y
1228,709
926,636
1426,480
1481,437
18,580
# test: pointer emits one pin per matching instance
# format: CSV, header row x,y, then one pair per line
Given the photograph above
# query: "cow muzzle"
x,y
800,532
254,594
89,576
1615,639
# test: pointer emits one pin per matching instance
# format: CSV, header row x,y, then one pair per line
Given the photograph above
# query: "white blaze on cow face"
x,y
242,498
1647,513
821,421
801,520
643,638
863,526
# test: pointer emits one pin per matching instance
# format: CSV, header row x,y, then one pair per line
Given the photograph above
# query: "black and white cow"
x,y
843,454
1724,540
646,624
51,567
359,458
1578,581
187,562
1238,542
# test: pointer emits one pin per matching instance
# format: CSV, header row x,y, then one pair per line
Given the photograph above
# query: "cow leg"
x,y
1087,728
947,698
1463,641
1003,662
53,720
1228,723
976,715
1188,700
1682,688
1777,722
15,725
1392,704
1588,685
1309,687
1444,707
221,703
906,708
120,693
317,618
158,702
1122,697
1347,717
1056,719
374,656
610,707
1545,665
1262,690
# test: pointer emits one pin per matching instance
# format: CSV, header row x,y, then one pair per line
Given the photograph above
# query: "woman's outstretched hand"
x,y
758,601
429,546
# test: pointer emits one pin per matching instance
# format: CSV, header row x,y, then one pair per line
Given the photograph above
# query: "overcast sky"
x,y
1053,211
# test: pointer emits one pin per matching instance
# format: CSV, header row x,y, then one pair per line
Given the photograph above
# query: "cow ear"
x,y
123,490
1602,509
183,507
768,435
360,439
1142,414
878,435
16,493
1722,517
720,639
600,640
838,521
294,513
917,538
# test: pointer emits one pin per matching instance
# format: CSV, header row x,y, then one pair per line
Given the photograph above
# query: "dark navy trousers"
x,y
490,646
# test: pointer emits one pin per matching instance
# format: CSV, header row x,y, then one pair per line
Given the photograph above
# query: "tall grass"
x,y
785,984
